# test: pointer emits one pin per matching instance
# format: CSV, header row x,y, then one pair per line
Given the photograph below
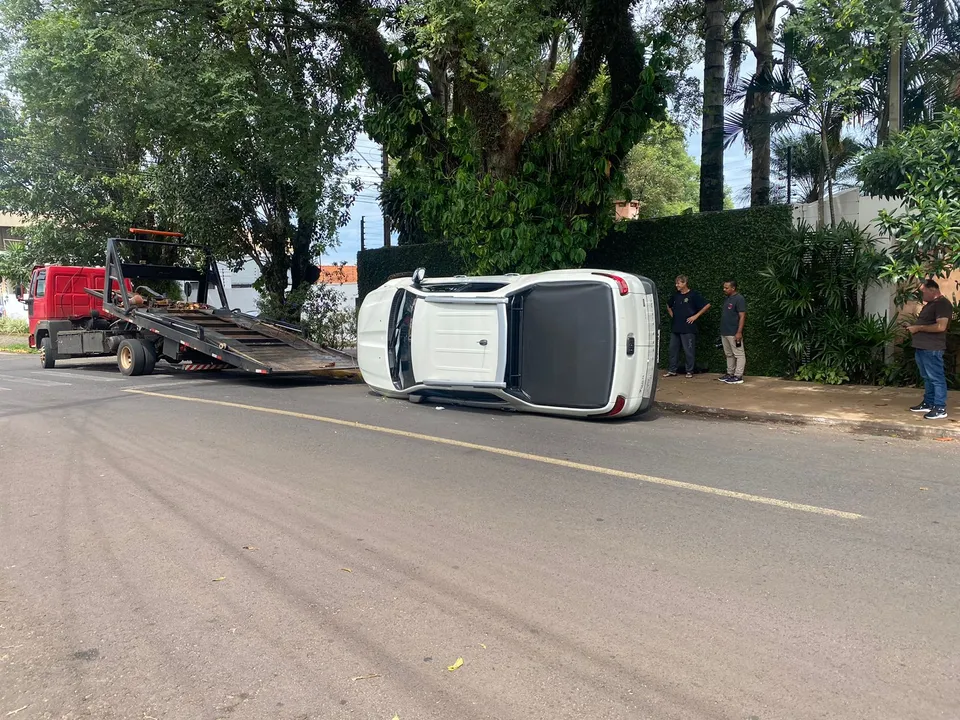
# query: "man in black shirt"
x,y
930,342
685,307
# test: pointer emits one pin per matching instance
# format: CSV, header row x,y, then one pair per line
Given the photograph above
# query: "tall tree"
x,y
185,117
660,173
758,98
508,141
712,138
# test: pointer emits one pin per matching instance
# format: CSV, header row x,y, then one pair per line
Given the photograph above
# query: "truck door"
x,y
36,303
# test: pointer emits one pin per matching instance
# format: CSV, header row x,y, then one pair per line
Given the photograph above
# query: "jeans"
x,y
736,356
689,343
930,363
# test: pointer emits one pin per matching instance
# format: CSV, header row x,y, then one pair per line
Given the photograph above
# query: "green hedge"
x,y
709,248
374,267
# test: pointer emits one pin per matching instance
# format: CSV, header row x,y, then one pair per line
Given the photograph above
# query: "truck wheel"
x,y
131,357
48,354
151,358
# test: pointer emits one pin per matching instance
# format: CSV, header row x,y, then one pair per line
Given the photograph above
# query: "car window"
x,y
41,285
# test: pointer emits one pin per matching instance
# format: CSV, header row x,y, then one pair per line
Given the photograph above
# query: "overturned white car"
x,y
565,342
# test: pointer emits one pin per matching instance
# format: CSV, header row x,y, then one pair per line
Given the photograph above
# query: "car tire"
x,y
415,399
48,353
131,357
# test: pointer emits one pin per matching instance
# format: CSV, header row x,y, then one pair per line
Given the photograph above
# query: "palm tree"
x,y
807,169
758,100
924,65
711,156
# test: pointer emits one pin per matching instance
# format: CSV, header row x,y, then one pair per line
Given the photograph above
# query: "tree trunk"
x,y
894,80
711,156
828,169
765,13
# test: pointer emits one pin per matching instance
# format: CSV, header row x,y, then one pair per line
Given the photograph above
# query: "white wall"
x,y
12,308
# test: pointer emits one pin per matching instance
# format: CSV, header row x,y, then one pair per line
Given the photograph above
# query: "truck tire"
x,y
151,357
48,353
131,357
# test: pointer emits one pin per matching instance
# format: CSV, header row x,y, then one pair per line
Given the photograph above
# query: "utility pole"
x,y
386,218
363,233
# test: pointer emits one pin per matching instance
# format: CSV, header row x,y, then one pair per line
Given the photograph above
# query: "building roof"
x,y
337,275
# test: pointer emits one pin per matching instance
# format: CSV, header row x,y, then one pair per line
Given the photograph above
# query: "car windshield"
x,y
401,327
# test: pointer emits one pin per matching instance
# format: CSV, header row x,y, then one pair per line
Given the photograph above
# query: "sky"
x,y
368,165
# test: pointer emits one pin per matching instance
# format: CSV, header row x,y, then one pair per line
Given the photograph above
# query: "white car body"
x,y
580,343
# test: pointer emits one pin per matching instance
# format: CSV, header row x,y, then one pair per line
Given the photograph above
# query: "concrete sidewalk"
x,y
851,407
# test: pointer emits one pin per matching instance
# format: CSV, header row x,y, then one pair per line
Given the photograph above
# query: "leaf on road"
x,y
219,579
250,547
366,677
483,646
396,717
347,570
457,664
944,439
924,488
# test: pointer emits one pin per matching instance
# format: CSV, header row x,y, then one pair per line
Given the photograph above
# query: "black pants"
x,y
689,343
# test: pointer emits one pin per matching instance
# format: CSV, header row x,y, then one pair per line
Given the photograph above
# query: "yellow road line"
x,y
785,504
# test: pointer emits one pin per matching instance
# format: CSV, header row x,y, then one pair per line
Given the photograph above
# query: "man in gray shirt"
x,y
732,317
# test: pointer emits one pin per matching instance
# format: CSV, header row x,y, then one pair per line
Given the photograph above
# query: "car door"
x,y
459,341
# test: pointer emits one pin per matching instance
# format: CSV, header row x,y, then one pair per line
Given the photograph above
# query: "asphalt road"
x,y
181,546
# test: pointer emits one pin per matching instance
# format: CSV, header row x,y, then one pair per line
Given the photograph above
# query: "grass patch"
x,y
10,326
20,348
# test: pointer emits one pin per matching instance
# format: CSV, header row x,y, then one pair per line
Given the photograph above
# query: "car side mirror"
x,y
418,275
19,293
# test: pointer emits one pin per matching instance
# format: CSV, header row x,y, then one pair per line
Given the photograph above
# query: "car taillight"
x,y
621,283
617,406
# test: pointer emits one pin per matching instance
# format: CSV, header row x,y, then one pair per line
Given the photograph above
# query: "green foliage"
x,y
192,117
16,264
817,282
319,311
11,326
808,169
660,174
509,150
710,248
926,162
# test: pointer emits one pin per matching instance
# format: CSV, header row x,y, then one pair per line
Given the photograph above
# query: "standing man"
x,y
731,333
930,342
685,307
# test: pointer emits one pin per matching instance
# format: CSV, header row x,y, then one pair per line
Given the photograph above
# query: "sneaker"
x,y
922,407
724,378
937,413
734,380
689,375
670,373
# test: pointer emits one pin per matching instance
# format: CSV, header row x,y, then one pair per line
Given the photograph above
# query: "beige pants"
x,y
736,356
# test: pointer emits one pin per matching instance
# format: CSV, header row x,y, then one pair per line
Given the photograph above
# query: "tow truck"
x,y
98,312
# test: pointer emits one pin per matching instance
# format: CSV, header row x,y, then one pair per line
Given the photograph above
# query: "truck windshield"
x,y
398,340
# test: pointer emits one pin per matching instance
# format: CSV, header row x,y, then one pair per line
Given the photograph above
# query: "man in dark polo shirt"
x,y
930,343
686,307
732,317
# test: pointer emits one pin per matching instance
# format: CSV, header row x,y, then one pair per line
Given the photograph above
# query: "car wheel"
x,y
415,399
131,357
48,354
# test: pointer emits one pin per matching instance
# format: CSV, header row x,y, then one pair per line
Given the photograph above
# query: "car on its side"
x,y
580,343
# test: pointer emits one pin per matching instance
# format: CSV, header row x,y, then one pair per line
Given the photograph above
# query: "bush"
x,y
11,326
817,281
709,248
324,319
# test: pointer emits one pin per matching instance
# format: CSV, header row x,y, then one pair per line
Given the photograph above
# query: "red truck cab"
x,y
58,300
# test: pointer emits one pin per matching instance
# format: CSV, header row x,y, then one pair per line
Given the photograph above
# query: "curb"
x,y
868,427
